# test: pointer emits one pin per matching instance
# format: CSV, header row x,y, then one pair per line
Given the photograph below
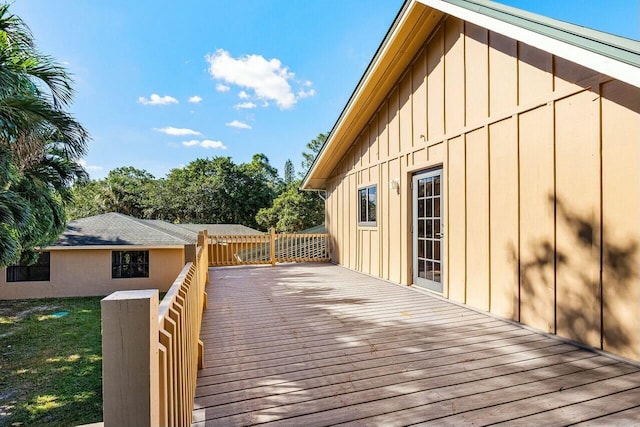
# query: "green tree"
x,y
312,150
293,211
289,172
217,191
126,191
40,143
88,200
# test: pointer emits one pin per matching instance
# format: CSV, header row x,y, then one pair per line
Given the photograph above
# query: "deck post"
x,y
130,366
273,246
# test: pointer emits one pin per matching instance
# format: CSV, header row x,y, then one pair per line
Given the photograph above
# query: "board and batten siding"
x,y
540,160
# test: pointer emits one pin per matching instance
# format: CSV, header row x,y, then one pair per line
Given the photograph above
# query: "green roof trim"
x,y
615,47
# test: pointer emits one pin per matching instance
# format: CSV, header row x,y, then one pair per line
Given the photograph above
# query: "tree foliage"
x,y
212,190
289,172
293,210
40,143
312,150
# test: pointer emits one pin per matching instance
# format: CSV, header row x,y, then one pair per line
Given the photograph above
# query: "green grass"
x,y
50,368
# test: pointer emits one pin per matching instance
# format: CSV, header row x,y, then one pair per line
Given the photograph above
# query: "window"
x,y
126,264
38,272
367,209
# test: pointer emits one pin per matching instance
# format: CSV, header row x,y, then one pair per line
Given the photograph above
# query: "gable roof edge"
x,y
616,68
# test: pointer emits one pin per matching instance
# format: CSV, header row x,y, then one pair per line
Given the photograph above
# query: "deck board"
x,y
317,344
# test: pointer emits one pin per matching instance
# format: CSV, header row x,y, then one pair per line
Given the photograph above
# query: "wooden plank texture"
x,y
317,344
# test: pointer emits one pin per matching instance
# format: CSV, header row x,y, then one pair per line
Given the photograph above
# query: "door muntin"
x,y
427,229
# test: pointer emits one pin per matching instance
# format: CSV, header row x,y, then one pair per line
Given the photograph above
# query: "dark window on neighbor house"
x,y
367,205
126,264
38,272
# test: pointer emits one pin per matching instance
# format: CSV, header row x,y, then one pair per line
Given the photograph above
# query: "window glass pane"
x,y
130,264
38,272
372,204
363,205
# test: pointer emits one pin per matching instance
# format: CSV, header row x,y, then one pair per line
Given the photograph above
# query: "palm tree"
x,y
40,143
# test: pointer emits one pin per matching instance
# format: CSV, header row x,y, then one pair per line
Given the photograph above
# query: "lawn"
x,y
50,362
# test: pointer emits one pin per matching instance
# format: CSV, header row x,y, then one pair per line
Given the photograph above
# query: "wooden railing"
x,y
152,351
267,249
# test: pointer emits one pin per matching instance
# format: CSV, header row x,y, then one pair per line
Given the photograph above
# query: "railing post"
x,y
273,246
189,253
130,367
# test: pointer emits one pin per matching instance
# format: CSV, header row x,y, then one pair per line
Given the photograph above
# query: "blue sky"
x,y
161,83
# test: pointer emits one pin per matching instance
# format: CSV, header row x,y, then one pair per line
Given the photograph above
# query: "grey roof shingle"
x,y
111,229
222,229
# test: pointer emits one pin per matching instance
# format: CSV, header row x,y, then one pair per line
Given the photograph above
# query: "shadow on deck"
x,y
317,344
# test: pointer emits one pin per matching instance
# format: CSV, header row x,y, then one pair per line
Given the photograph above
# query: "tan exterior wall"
x,y
87,272
541,161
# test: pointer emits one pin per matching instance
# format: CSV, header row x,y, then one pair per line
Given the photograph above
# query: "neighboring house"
x,y
105,253
492,156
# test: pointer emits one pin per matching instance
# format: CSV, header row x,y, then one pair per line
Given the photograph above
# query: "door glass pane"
x,y
420,209
436,250
429,187
436,206
420,228
429,228
429,272
421,189
429,203
421,248
429,249
436,185
421,269
436,227
436,271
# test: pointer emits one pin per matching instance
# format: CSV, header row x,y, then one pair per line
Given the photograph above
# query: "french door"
x,y
427,229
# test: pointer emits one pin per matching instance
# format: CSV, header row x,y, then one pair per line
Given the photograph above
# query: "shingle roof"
x,y
111,229
222,229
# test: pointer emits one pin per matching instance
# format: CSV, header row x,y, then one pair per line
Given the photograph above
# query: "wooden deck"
x,y
316,344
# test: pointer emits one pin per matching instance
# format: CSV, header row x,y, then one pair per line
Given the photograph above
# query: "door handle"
x,y
439,235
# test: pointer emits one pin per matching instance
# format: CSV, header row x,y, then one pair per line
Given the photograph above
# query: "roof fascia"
x,y
111,247
617,69
382,56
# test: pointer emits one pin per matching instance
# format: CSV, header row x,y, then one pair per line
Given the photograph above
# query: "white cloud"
x,y
89,167
268,79
306,93
245,105
169,130
222,88
156,99
243,95
205,143
191,143
195,99
238,124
